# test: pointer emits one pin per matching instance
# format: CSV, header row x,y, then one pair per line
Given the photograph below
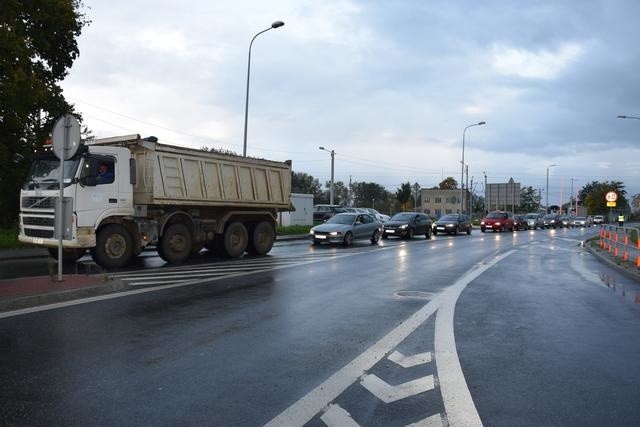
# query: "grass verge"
x,y
9,238
293,229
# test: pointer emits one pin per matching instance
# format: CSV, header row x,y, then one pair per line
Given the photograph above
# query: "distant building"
x,y
504,196
437,202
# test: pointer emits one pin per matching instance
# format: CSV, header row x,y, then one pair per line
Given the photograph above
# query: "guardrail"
x,y
619,242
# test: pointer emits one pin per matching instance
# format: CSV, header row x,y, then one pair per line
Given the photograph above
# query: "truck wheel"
x,y
235,240
262,238
175,244
68,255
114,246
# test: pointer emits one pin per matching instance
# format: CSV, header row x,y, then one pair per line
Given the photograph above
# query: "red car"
x,y
498,221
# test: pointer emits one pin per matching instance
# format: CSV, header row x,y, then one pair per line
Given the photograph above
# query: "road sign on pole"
x,y
65,140
611,196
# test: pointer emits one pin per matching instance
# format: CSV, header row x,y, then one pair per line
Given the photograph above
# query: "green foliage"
x,y
293,229
37,48
9,238
449,183
404,195
529,200
370,194
592,196
304,183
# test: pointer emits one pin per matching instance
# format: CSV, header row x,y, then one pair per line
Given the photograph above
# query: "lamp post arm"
x,y
246,102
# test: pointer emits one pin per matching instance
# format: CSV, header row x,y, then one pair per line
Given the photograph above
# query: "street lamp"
x,y
276,24
546,208
333,155
576,199
462,161
628,117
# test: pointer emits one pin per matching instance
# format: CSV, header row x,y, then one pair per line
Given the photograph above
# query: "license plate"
x,y
390,231
489,226
441,228
38,241
321,237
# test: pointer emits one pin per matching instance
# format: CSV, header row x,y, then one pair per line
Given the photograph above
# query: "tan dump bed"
x,y
174,175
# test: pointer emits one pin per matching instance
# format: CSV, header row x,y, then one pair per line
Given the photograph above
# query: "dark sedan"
x,y
452,224
407,224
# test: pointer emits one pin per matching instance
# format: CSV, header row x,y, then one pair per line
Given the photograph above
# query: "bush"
x,y
9,238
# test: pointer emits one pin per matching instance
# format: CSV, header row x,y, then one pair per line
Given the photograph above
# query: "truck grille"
x,y
38,202
37,220
33,232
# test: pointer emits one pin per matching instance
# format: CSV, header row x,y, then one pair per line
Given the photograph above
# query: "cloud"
x,y
542,64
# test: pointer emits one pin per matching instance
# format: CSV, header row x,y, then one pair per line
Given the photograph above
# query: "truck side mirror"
x,y
89,181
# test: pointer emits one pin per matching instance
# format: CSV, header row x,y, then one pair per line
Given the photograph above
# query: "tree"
x,y
449,183
369,194
529,200
37,48
340,193
404,194
592,196
305,184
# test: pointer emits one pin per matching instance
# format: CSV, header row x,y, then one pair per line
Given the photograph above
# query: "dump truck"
x,y
127,193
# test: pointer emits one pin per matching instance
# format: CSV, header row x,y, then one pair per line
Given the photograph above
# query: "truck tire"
x,y
68,255
114,246
261,239
175,244
235,240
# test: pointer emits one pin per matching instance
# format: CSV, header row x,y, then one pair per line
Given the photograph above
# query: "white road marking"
x,y
199,281
335,416
432,421
389,393
313,402
459,406
410,361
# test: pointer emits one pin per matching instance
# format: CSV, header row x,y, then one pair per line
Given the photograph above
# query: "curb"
x,y
606,259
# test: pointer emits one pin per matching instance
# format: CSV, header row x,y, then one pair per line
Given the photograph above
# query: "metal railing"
x,y
621,242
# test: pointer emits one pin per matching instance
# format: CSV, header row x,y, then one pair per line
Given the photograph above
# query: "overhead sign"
x,y
611,196
611,204
66,137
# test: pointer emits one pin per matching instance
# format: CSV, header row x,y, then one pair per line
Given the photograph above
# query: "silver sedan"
x,y
345,228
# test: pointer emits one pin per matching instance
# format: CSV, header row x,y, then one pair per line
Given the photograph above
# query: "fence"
x,y
621,242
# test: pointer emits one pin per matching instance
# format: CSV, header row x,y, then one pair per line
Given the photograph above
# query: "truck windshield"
x,y
45,173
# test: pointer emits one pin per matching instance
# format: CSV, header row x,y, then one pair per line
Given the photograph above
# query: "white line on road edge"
x,y
311,404
458,404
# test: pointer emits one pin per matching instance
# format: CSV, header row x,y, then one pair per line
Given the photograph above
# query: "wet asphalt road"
x,y
541,339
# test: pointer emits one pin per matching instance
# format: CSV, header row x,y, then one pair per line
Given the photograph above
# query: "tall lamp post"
x,y
546,207
276,24
462,161
333,155
576,199
628,117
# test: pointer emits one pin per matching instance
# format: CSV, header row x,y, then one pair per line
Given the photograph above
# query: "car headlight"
x,y
498,223
312,232
481,222
403,226
335,233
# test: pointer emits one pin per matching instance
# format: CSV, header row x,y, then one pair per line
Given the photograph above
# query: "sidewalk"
x,y
25,292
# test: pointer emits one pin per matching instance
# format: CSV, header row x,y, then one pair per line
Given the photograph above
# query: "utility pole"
x,y
485,194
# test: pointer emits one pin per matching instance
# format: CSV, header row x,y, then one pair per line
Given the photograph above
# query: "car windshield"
x,y
495,215
402,217
580,218
45,173
449,218
341,219
550,216
531,216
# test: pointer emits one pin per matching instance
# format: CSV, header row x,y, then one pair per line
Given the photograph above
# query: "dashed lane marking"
x,y
410,361
389,393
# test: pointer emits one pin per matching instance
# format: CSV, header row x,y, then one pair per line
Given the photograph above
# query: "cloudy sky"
x,y
388,85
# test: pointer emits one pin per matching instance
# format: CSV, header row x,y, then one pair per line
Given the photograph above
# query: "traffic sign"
x,y
611,204
611,196
66,137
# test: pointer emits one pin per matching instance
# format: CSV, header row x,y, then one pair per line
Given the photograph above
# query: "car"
x,y
534,220
520,222
566,221
598,219
552,221
498,221
322,213
452,224
345,228
407,225
379,216
580,221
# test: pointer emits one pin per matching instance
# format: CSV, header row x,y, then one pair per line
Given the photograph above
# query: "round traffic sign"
x,y
66,137
611,196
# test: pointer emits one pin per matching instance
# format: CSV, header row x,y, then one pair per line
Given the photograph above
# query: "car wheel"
x,y
435,231
384,236
454,231
468,230
348,239
376,237
428,233
482,230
